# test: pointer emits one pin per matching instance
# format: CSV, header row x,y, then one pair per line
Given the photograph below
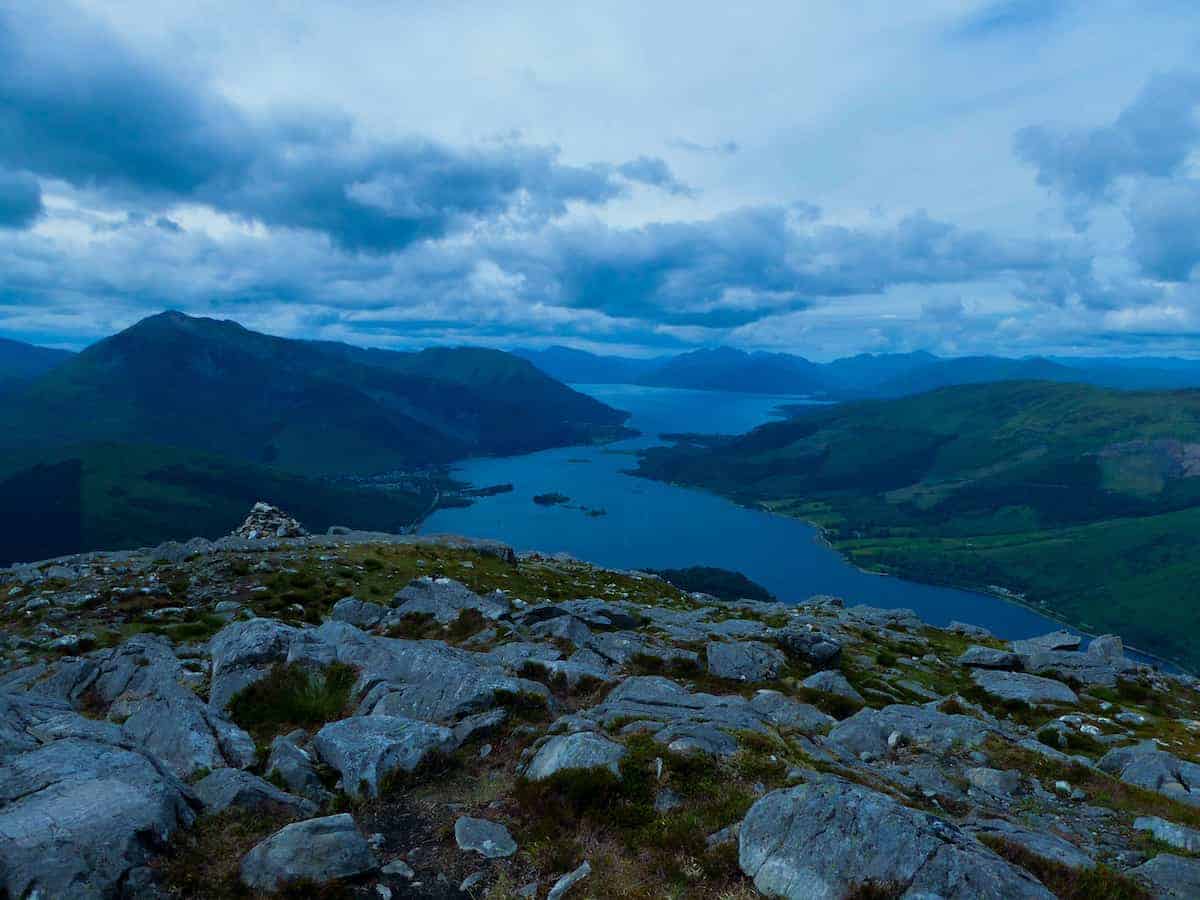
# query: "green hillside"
x,y
308,407
1084,500
119,496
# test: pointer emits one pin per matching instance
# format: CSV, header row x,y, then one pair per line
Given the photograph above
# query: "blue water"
x,y
654,525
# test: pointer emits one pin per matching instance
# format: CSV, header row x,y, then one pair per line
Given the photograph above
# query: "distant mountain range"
x,y
174,425
856,377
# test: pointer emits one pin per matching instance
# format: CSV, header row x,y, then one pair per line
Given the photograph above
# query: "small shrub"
x,y
876,890
885,658
293,697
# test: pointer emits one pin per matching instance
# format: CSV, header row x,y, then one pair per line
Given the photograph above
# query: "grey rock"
x,y
901,619
832,682
188,736
786,713
1055,640
445,599
1171,876
366,749
317,850
743,660
868,730
582,750
489,839
738,628
224,788
989,658
398,868
1146,766
1086,668
563,628
968,630
295,767
358,612
568,881
1107,646
1179,836
76,815
819,840
1031,689
697,737
666,800
658,699
994,781
811,646
1043,843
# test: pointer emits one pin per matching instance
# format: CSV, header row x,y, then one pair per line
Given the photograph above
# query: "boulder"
x,y
1172,877
582,750
968,630
743,660
809,645
568,881
489,839
652,698
77,815
1179,836
232,787
870,730
1031,689
357,612
1056,640
444,599
820,841
1144,765
989,658
366,749
294,766
786,713
1045,844
188,736
832,682
1085,668
317,850
1107,646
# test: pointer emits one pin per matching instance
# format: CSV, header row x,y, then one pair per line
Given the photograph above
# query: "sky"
x,y
823,178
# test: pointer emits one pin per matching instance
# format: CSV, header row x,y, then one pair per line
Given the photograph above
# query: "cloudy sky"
x,y
1009,176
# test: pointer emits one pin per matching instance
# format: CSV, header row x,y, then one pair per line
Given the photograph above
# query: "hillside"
x,y
372,716
120,496
580,367
993,486
309,407
21,362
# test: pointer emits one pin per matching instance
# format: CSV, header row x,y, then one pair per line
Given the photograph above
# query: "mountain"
x,y
975,370
121,496
726,369
1010,484
21,362
866,371
305,406
580,367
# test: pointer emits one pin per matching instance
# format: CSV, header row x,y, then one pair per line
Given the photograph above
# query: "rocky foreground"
x,y
381,716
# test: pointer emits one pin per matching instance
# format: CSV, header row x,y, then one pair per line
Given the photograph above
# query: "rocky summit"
x,y
384,716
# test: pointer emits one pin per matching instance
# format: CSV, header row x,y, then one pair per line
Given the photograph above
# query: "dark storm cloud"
x,y
20,200
77,105
1151,137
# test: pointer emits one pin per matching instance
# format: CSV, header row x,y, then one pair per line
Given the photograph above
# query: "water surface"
x,y
649,524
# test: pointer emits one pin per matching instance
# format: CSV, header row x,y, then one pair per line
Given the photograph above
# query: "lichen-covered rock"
x,y
317,850
820,840
1172,877
366,749
1032,689
582,750
786,713
294,765
243,653
1055,640
989,658
188,736
809,645
743,660
1179,836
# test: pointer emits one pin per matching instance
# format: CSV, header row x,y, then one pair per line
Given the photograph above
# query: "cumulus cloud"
x,y
1165,215
1153,136
77,105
